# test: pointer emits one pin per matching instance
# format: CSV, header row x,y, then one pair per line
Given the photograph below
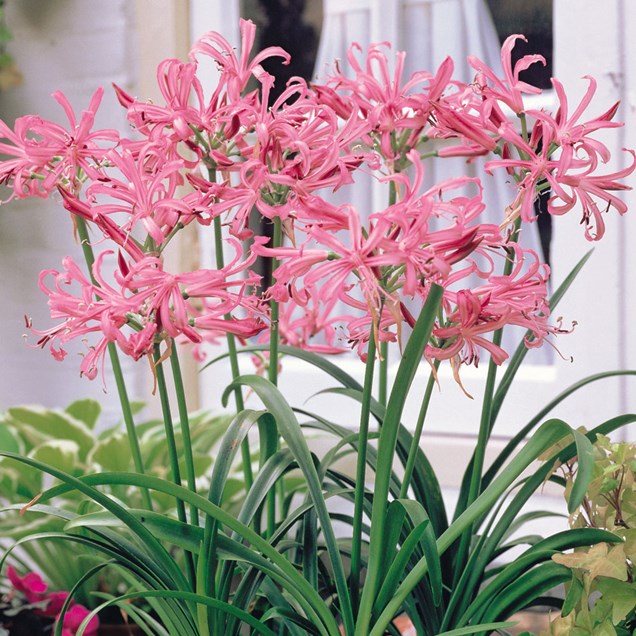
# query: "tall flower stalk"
x,y
122,391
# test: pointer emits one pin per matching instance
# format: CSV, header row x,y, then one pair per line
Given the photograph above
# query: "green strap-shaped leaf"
x,y
478,629
585,466
293,435
525,589
305,595
407,368
315,360
541,551
190,597
545,437
488,545
518,439
228,450
427,542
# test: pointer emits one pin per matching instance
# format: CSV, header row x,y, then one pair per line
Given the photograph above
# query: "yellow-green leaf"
x,y
597,561
622,596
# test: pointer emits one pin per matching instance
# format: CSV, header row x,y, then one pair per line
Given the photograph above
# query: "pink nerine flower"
x,y
145,305
589,189
390,107
177,83
47,154
236,72
472,315
510,89
144,191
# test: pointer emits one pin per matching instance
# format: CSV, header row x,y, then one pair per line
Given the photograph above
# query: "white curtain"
x,y
428,31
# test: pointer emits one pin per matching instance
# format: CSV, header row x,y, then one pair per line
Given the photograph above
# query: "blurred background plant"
x,y
73,441
10,75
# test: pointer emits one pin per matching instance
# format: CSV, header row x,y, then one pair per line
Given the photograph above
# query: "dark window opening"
x,y
534,21
295,26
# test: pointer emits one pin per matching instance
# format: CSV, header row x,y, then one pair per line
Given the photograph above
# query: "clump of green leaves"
x,y
72,440
601,598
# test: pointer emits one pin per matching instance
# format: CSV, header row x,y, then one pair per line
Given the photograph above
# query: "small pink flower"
x,y
572,135
47,155
74,617
589,189
55,600
509,89
178,83
31,585
236,72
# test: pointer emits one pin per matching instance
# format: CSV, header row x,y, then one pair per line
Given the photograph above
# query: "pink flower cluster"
x,y
343,275
33,590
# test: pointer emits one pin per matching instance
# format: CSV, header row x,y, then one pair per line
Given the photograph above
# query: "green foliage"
x,y
68,440
9,74
601,595
214,556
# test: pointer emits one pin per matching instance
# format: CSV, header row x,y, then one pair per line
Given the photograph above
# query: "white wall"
x,y
589,41
74,46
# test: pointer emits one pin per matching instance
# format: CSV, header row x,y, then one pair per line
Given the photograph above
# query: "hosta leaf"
x,y
19,481
60,453
7,440
14,527
112,453
201,463
87,411
52,424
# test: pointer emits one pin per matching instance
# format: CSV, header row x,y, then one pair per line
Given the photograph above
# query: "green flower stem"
x,y
383,377
361,468
231,346
273,330
272,370
417,434
122,391
524,126
476,464
188,456
383,380
129,422
386,452
173,454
